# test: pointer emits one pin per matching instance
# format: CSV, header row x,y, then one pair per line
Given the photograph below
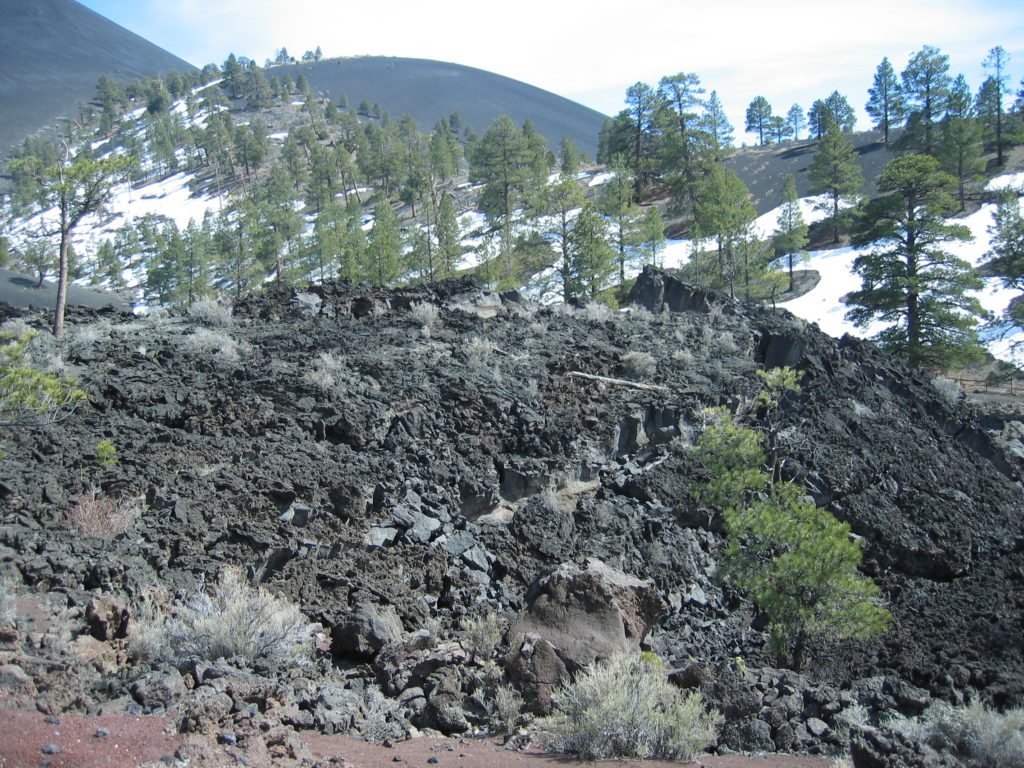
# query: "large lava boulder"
x,y
575,616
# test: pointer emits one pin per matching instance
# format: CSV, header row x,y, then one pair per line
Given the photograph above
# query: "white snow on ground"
x,y
600,178
279,136
1015,180
167,197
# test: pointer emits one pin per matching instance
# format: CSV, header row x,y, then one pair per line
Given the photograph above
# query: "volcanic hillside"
x,y
431,90
764,169
398,463
52,52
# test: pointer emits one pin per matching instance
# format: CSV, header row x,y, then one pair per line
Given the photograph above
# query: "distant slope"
x,y
52,52
20,290
429,90
764,169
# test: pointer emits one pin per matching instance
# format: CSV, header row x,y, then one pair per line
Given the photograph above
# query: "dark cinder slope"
x,y
20,290
52,52
764,169
429,90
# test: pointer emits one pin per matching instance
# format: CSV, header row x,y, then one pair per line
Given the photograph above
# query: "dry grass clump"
x,y
596,312
625,706
211,312
227,619
424,313
8,603
100,516
639,364
982,737
478,352
217,343
507,706
481,635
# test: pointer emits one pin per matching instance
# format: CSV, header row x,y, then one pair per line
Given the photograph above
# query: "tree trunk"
x,y
62,284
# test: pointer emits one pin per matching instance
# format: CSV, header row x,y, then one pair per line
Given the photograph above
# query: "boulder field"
x,y
466,491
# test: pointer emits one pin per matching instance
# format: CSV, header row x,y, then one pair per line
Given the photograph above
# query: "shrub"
x,y
478,352
211,312
948,389
375,710
985,738
218,343
106,454
596,312
27,394
231,618
8,602
507,706
102,517
481,635
626,707
424,313
639,364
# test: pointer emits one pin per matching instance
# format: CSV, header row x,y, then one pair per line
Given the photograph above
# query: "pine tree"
x,y
818,119
791,230
834,172
723,212
759,113
717,126
384,248
76,186
991,107
685,143
795,118
840,112
593,261
925,84
778,129
503,161
615,201
651,235
353,251
565,197
1006,257
639,122
959,149
796,561
447,234
886,105
569,157
909,281
445,153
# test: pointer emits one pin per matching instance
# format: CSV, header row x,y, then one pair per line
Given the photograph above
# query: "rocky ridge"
x,y
406,464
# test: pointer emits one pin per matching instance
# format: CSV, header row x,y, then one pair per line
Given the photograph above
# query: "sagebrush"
x,y
230,618
626,707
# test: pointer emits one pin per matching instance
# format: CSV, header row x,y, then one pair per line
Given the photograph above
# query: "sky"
x,y
591,51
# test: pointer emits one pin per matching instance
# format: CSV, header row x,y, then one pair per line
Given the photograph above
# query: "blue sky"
x,y
592,50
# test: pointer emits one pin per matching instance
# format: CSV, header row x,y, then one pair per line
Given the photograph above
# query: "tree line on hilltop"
x,y
300,205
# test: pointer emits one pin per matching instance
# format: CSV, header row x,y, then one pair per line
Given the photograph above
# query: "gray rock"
x,y
380,536
158,689
366,630
477,558
817,728
746,735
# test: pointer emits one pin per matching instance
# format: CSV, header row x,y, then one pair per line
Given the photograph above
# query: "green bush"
x,y
27,394
625,706
796,561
